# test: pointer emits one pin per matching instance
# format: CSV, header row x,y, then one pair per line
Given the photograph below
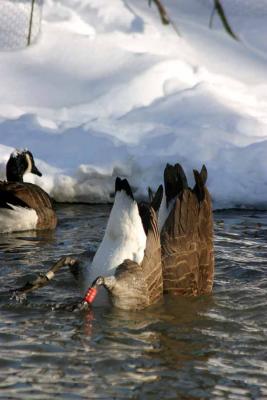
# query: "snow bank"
x,y
108,90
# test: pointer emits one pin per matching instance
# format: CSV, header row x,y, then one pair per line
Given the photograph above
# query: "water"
x,y
205,348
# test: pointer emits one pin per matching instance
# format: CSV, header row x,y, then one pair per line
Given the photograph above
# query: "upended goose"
x,y
136,266
128,260
186,223
24,206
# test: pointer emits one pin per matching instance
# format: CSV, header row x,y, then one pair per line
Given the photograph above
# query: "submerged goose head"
x,y
19,163
128,260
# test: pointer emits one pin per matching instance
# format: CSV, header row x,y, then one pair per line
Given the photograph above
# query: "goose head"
x,y
20,162
126,292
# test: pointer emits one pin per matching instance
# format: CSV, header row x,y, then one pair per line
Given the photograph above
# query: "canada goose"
x,y
187,234
24,206
128,261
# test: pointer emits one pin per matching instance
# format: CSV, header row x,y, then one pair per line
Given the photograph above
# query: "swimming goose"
x,y
187,234
24,206
128,261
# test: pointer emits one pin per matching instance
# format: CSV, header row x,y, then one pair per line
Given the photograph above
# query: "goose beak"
x,y
107,282
99,281
92,291
35,170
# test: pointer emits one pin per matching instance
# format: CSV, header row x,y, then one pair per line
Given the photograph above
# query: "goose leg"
x,y
42,280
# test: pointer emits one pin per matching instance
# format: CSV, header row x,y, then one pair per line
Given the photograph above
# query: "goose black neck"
x,y
14,177
15,169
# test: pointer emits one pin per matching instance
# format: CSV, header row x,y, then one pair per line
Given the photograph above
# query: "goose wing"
x,y
30,196
8,197
24,195
155,199
187,242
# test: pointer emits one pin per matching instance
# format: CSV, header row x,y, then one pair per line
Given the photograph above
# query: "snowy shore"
x,y
108,90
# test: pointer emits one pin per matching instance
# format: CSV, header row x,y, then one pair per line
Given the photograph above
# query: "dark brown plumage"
x,y
31,196
187,241
17,193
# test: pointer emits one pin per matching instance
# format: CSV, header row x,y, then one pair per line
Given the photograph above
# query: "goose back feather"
x,y
187,242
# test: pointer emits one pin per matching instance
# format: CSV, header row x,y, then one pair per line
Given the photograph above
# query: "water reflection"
x,y
212,347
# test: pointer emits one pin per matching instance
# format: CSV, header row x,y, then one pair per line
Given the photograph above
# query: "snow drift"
x,y
108,90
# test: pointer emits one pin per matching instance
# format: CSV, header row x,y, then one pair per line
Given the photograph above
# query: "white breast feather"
x,y
124,238
17,219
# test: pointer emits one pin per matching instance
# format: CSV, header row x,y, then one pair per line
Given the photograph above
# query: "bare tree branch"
x,y
30,23
220,11
165,19
162,11
217,8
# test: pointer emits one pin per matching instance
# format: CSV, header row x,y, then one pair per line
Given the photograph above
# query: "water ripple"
x,y
208,348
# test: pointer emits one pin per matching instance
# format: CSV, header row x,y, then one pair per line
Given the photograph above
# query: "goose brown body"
x,y
187,243
33,197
